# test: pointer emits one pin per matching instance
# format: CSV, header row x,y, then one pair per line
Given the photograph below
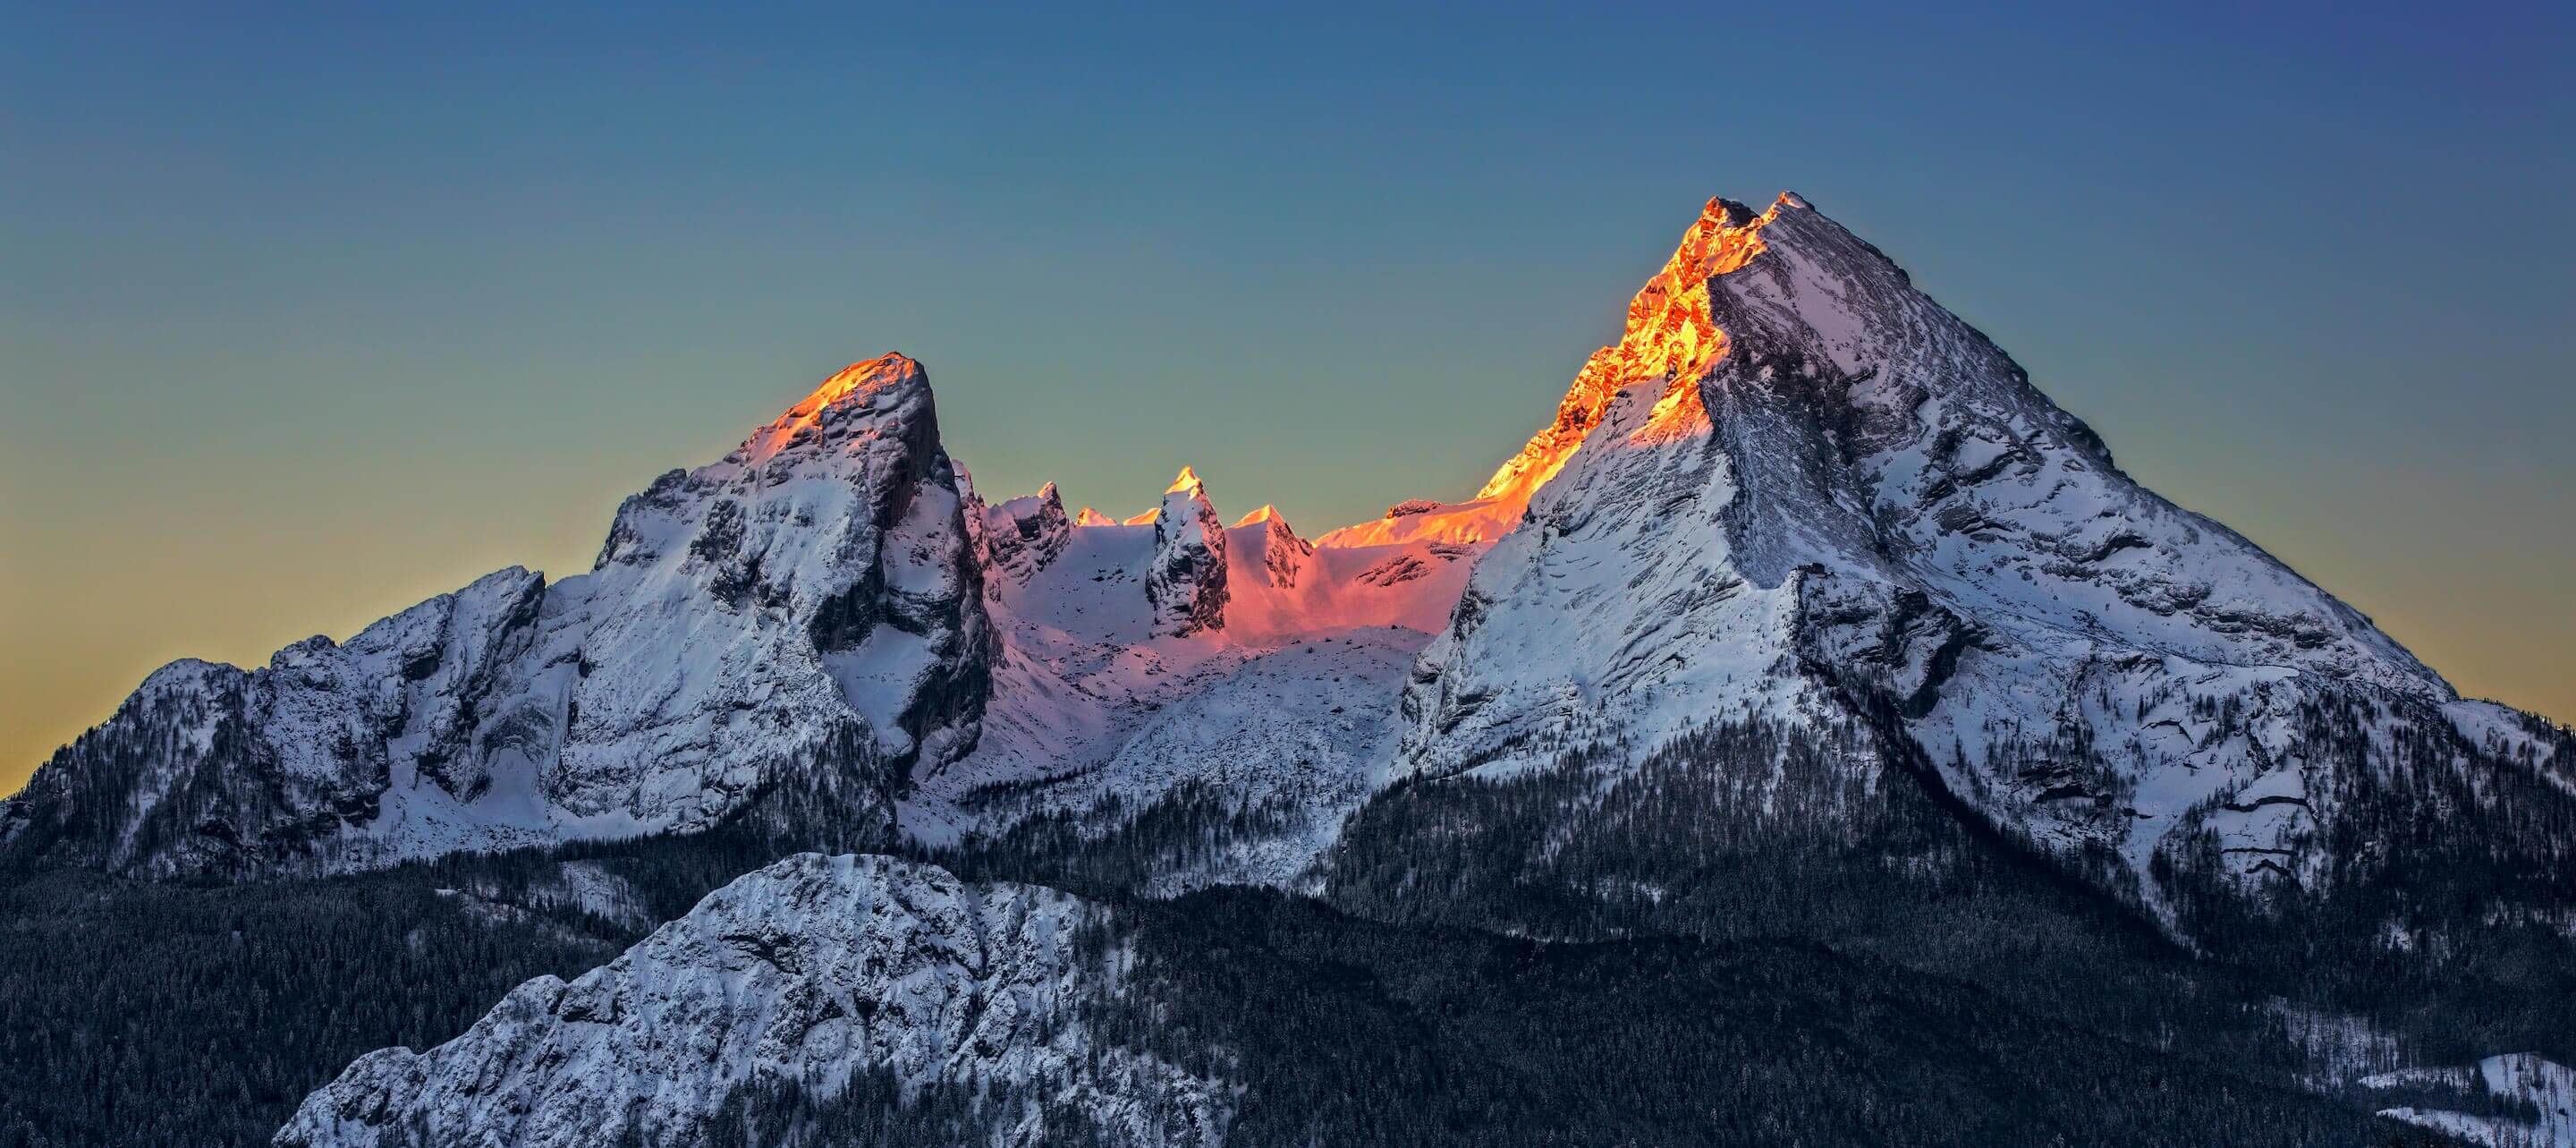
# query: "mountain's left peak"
x,y
863,378
890,382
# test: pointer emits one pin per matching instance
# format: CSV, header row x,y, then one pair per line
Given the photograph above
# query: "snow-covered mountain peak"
x,y
1671,334
1185,503
1091,517
781,634
1281,553
1798,488
856,382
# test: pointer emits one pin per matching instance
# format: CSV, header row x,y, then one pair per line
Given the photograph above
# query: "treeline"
x,y
2448,915
1351,1032
136,1014
1758,934
139,1013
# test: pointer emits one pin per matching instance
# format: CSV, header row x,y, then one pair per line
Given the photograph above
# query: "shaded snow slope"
x,y
2547,1087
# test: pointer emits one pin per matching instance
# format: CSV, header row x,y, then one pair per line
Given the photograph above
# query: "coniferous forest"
x,y
1469,975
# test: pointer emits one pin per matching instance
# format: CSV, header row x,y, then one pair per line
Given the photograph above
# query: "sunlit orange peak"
x,y
1188,481
863,377
1670,340
849,384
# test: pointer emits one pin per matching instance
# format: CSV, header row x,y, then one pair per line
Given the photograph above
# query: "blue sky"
x,y
309,312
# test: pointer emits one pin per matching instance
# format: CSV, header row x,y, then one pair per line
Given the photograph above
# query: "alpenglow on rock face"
x,y
781,633
1798,490
809,971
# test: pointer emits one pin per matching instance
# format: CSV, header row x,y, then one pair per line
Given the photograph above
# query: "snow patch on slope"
x,y
2522,1078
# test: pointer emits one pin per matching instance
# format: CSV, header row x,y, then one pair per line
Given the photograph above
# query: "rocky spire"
x,y
1186,578
1023,535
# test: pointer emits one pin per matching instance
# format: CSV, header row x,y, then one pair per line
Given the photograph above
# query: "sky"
x,y
310,312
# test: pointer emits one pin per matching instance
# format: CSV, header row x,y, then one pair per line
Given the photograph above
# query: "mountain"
x,y
1809,735
811,635
1795,490
780,634
1798,491
1186,578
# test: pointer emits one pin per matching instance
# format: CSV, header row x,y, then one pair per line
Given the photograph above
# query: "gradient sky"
x,y
309,313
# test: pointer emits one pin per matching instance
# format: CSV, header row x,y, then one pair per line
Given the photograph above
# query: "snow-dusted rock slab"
x,y
807,971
